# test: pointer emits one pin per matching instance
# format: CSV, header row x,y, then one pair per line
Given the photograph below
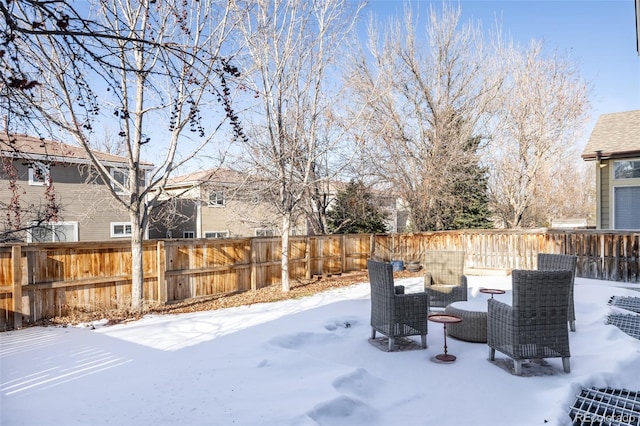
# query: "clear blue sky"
x,y
598,35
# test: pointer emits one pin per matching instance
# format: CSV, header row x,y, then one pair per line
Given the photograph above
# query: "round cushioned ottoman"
x,y
473,327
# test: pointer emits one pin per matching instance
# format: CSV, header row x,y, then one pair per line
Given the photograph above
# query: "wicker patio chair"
x,y
394,313
444,280
557,262
535,326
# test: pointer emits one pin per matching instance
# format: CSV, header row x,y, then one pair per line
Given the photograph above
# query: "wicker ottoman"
x,y
473,327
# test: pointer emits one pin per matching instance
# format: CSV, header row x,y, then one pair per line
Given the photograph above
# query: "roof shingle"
x,y
615,135
23,146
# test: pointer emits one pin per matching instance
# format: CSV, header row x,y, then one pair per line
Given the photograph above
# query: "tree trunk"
x,y
286,224
137,270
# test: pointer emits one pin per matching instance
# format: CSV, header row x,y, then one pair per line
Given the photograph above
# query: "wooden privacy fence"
x,y
40,281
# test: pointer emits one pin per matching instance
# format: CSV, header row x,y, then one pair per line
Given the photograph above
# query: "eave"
x,y
599,155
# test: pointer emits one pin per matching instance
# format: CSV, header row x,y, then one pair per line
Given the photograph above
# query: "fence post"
x,y
254,278
372,247
16,273
162,268
307,256
343,254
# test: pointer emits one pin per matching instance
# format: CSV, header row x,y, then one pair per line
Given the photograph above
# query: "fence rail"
x,y
40,281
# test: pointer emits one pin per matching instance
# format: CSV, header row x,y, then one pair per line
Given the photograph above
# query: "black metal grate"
x,y
606,407
629,303
628,323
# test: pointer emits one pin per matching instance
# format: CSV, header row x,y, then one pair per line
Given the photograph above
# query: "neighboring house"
x,y
215,203
36,173
614,146
223,203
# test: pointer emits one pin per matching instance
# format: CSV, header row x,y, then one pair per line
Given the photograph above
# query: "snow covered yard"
x,y
300,362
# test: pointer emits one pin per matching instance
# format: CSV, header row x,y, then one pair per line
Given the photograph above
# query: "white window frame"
x,y
54,233
124,233
44,169
116,188
627,160
216,234
219,199
188,234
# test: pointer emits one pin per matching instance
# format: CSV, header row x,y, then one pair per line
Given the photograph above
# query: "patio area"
x,y
307,361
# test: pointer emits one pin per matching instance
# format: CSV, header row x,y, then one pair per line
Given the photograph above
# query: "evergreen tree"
x,y
354,211
471,209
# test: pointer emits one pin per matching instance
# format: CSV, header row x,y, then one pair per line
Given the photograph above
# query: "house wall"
x,y
91,205
240,218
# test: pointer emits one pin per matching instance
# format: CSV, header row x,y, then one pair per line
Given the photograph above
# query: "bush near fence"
x,y
40,281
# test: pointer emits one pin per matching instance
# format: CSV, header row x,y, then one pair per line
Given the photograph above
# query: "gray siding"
x,y
89,204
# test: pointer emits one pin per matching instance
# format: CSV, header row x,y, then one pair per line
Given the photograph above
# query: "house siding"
x,y
89,204
242,213
239,218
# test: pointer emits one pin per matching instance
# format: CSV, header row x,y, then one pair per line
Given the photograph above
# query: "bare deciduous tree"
x,y
156,68
426,96
292,46
542,110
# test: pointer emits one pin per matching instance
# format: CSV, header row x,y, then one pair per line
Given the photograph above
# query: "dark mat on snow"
x,y
530,368
624,302
401,344
629,323
606,406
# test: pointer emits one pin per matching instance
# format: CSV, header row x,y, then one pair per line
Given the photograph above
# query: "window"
x,y
627,205
39,174
120,176
216,199
188,234
216,234
264,232
52,232
297,232
626,169
120,229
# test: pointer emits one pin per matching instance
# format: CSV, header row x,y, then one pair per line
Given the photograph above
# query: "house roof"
x,y
220,175
23,146
615,135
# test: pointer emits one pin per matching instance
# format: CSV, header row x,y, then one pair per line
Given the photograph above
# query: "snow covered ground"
x,y
299,362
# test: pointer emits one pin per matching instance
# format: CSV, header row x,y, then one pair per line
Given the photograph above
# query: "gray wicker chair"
x,y
558,262
394,313
535,326
444,280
